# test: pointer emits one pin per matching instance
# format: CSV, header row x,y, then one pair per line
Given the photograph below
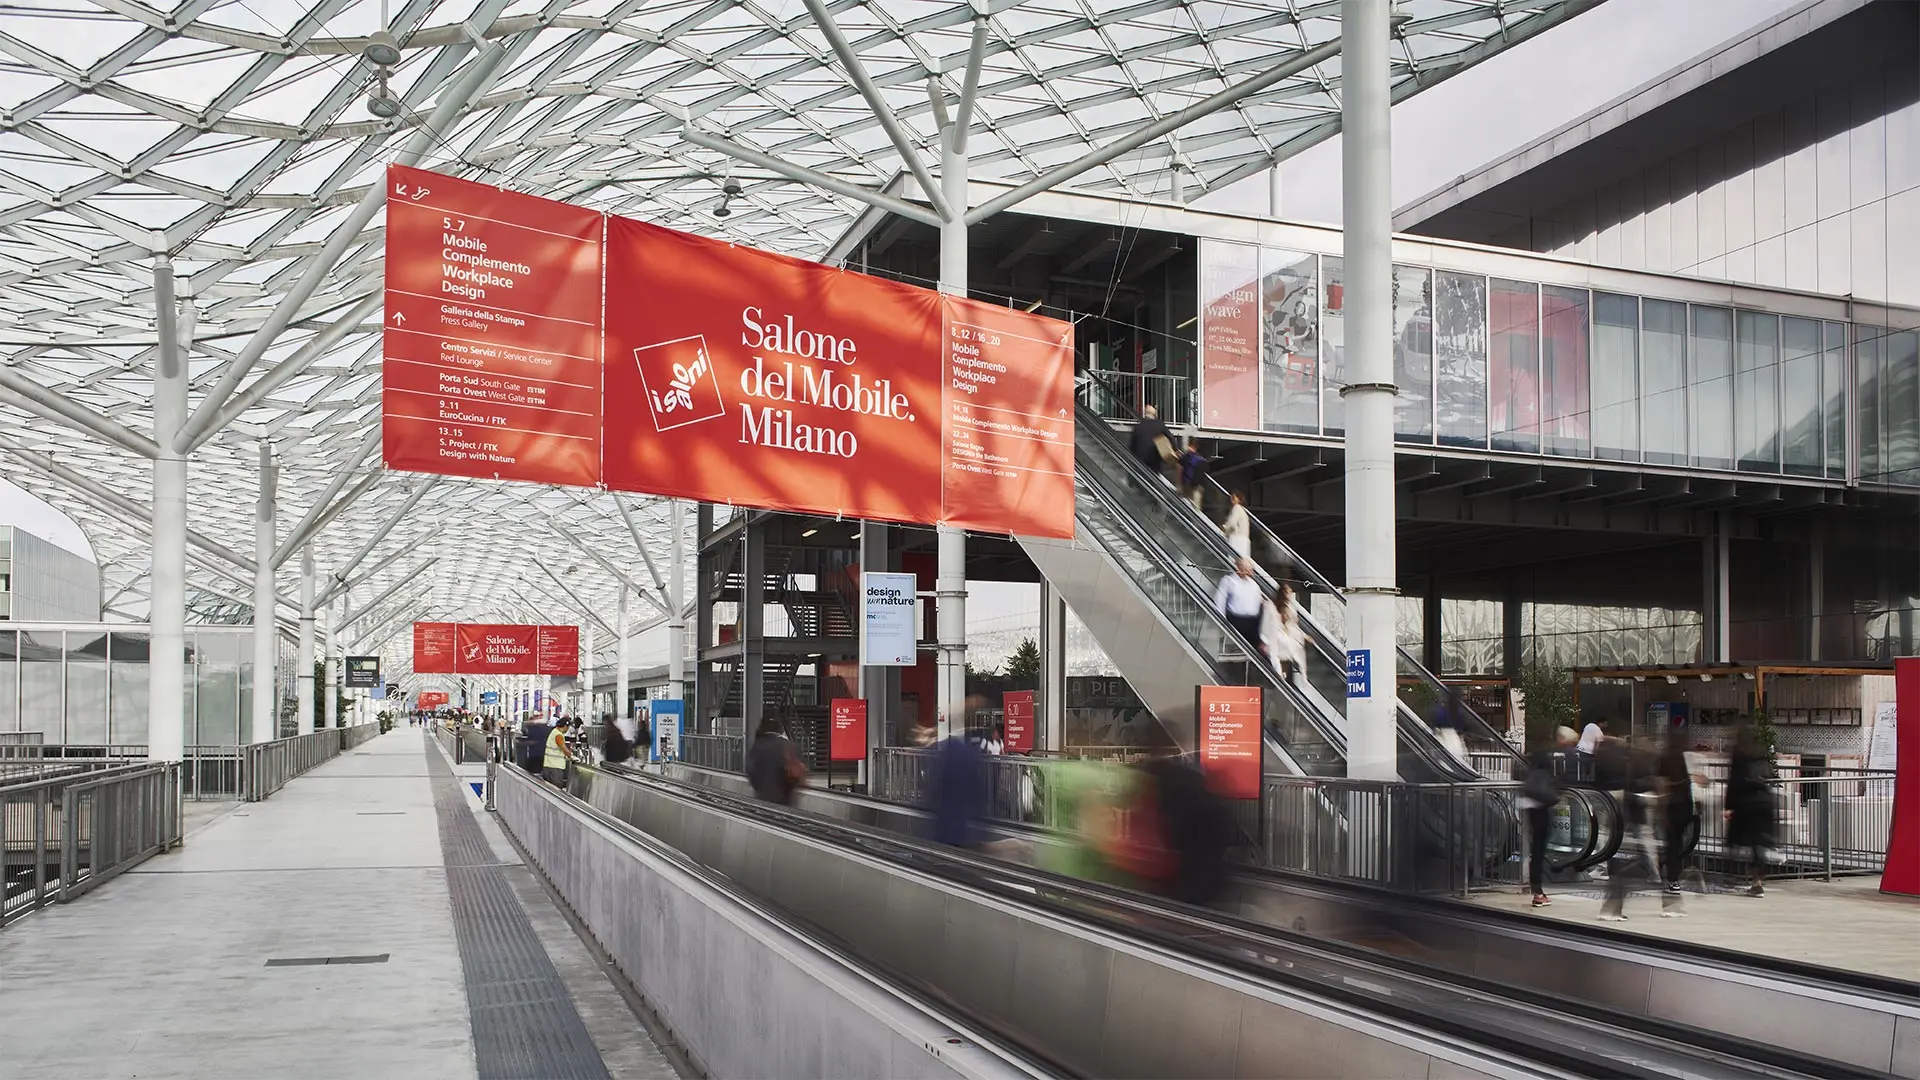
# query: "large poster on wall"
x,y
731,375
1229,335
491,340
433,648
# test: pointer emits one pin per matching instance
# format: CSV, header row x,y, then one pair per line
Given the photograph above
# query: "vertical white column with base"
x,y
167,676
620,708
332,689
1053,670
1372,579
950,581
266,650
304,656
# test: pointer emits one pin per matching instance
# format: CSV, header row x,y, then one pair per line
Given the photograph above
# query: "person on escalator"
x,y
1193,476
1539,794
1151,443
1238,600
1281,637
1237,526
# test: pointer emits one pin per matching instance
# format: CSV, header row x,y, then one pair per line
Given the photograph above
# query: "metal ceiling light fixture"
x,y
381,102
381,50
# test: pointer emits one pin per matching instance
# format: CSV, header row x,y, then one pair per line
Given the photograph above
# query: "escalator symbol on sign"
x,y
1359,673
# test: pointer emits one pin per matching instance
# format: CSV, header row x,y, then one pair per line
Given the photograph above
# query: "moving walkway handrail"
x,y
1542,1029
1479,733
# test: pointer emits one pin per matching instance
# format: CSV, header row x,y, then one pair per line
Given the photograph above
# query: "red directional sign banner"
x,y
847,734
1229,739
492,332
433,648
432,699
1016,711
559,651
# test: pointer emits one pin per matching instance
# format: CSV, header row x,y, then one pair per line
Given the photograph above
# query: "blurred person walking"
x,y
1639,807
1677,809
1238,600
1539,794
1193,476
773,767
1750,805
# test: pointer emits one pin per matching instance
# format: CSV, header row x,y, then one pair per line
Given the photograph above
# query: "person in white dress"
x,y
1280,635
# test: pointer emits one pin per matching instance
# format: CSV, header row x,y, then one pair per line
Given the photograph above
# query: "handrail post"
x,y
493,757
1826,830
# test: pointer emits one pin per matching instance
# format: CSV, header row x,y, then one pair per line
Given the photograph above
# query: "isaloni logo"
x,y
682,386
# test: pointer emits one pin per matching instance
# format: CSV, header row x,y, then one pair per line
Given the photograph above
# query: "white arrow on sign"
x,y
400,317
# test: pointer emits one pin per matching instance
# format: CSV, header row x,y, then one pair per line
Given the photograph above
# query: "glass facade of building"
x,y
1491,363
86,685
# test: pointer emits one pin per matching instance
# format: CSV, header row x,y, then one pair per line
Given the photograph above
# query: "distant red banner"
x,y
433,648
1229,739
1016,710
847,733
492,343
494,649
432,699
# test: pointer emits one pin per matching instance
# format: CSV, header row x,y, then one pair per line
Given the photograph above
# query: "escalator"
x,y
1140,572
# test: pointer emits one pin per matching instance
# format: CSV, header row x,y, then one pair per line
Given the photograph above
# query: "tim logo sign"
x,y
682,386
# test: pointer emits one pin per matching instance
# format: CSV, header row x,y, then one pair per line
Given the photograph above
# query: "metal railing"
x,y
79,824
20,744
1120,395
1824,825
721,752
266,767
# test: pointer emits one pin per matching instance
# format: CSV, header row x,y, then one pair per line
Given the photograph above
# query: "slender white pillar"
x,y
1372,580
620,708
677,600
586,670
266,648
332,689
166,685
304,657
950,582
1273,191
1053,669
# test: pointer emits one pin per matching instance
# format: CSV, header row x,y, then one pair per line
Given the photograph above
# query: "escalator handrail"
x,y
1313,577
1424,744
1329,732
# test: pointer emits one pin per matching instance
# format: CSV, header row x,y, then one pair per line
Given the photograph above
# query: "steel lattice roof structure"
x,y
234,138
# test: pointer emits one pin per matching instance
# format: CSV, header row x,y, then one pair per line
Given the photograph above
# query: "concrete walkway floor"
x,y
165,971
1845,923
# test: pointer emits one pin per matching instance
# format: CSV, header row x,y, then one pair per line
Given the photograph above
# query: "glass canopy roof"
x,y
235,137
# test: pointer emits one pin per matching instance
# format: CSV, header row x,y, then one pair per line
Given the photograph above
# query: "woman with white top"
x,y
1281,637
1238,527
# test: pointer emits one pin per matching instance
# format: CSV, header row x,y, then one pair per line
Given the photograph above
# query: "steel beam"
x,y
109,501
340,576
313,521
882,112
348,233
804,175
292,366
1227,98
37,399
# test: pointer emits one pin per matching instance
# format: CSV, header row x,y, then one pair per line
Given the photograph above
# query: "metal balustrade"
x,y
722,752
78,824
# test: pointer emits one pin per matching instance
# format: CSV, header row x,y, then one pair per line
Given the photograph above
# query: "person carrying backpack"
x,y
1539,794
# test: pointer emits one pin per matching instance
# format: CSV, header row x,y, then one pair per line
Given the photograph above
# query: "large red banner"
x,y
1016,712
432,699
847,733
494,649
433,648
731,375
1230,744
1229,336
492,332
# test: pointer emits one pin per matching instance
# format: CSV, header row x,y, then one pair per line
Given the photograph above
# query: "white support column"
x,y
950,582
620,708
1273,191
305,654
1372,580
166,685
677,600
1053,670
266,649
332,689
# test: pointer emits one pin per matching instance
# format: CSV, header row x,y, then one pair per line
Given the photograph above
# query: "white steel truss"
x,y
233,138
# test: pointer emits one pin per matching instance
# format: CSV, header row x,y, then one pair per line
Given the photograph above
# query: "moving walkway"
x,y
1102,982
